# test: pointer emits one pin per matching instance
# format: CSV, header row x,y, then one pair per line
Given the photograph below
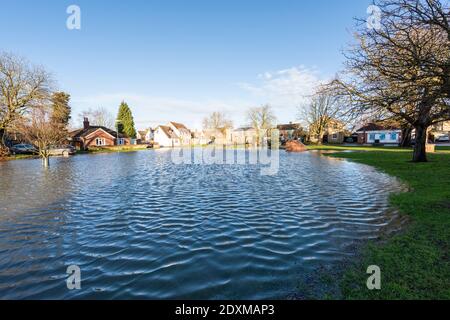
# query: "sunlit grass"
x,y
415,264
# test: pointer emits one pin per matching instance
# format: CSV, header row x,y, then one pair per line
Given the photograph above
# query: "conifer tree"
x,y
125,121
61,108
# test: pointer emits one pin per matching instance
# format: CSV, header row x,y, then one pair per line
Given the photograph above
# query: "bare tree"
x,y
216,121
402,68
99,117
22,86
321,112
44,129
262,119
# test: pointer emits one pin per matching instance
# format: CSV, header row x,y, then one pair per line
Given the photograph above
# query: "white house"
x,y
182,132
149,136
374,133
243,136
199,138
145,136
166,137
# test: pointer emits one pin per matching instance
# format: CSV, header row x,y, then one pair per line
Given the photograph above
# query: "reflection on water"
x,y
142,227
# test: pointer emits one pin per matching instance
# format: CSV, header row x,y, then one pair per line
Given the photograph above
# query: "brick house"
x,y
374,133
96,137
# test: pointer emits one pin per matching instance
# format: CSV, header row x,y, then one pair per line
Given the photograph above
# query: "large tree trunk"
x,y
420,153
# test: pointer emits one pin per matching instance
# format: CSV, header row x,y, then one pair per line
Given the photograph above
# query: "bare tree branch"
x,y
402,69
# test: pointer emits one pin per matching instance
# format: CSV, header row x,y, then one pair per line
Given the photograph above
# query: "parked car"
x,y
62,150
443,139
24,148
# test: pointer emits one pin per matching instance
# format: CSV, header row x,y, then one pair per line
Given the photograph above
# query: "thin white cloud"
x,y
288,87
285,90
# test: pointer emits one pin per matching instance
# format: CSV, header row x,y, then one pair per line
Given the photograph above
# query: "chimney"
x,y
86,123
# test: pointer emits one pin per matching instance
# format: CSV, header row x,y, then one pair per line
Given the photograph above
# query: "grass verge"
x,y
415,264
18,157
115,149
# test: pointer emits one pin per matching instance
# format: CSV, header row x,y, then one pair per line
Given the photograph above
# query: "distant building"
x,y
96,136
441,129
244,136
220,136
373,133
182,132
199,138
145,136
166,137
290,131
335,132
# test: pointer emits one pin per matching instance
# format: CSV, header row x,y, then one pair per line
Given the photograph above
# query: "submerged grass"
x,y
415,263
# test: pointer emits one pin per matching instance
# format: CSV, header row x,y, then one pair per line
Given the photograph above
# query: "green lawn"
x,y
415,264
18,157
439,149
132,148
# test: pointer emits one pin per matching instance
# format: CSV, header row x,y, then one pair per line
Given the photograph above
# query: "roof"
x,y
179,126
168,132
214,132
376,127
81,133
290,126
244,129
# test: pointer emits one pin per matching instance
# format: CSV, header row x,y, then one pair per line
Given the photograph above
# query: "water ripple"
x,y
141,227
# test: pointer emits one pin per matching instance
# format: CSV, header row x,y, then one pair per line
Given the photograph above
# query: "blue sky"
x,y
178,60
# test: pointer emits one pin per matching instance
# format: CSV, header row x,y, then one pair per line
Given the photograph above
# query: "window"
x,y
100,142
334,136
394,136
383,136
372,137
120,141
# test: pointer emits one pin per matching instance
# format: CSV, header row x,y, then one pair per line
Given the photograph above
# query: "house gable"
x,y
96,132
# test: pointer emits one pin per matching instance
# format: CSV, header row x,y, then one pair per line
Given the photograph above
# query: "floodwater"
x,y
140,226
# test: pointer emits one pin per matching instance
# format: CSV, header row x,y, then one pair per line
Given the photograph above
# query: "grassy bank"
x,y
415,264
91,150
115,149
439,149
18,157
